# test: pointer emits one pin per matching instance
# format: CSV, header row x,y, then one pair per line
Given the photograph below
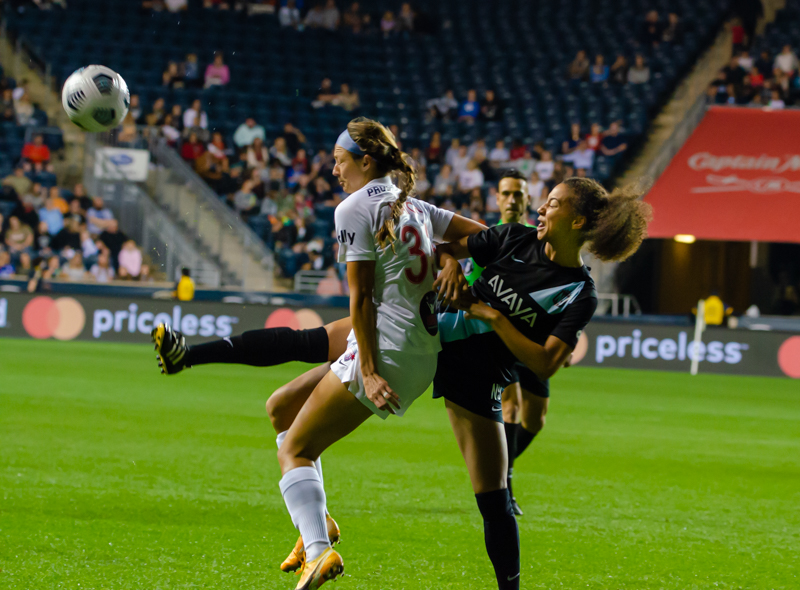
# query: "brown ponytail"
x,y
616,223
380,145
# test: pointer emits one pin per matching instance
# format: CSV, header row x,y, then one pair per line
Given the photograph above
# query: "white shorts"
x,y
408,374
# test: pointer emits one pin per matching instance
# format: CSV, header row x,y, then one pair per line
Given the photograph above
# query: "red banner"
x,y
736,178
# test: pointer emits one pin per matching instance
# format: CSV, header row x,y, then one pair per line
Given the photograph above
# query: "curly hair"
x,y
380,144
616,223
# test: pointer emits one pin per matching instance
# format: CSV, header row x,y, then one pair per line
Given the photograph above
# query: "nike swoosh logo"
x,y
513,577
520,261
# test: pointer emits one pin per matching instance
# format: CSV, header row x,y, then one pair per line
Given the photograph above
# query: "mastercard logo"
x,y
302,319
62,318
789,357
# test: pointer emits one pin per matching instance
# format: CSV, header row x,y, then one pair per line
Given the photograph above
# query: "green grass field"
x,y
115,477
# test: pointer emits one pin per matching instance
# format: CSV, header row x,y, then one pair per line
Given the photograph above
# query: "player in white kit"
x,y
386,239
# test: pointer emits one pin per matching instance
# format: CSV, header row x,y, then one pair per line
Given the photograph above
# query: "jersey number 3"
x,y
406,235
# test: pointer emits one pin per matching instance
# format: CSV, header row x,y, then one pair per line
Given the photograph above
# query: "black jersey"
x,y
539,297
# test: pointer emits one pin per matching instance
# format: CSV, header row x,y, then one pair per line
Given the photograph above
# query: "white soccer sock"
x,y
305,499
317,463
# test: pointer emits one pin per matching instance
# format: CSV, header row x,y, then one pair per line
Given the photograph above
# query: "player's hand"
x,y
379,393
481,311
450,284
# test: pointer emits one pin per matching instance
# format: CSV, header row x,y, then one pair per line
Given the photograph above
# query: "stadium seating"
x,y
520,48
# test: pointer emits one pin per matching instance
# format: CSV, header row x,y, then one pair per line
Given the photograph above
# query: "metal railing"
x,y
148,225
609,303
307,281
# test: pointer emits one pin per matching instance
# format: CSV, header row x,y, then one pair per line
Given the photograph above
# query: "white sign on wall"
x,y
121,164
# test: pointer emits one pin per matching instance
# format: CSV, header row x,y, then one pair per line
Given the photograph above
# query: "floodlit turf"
x,y
114,477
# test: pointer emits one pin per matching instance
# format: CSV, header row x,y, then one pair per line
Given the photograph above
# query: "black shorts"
x,y
528,381
468,375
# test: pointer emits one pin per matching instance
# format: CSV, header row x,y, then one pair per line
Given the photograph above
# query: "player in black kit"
x,y
530,304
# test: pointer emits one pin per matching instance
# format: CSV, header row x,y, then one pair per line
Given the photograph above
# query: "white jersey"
x,y
403,295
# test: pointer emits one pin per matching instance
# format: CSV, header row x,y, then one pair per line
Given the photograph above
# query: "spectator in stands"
x,y
651,30
569,146
478,150
423,185
135,109
582,156
98,216
469,109
88,246
130,258
745,61
594,137
44,241
74,270
219,4
37,151
172,77
388,24
213,170
405,20
176,5
544,167
191,71
289,15
112,238
536,191
756,78
639,72
613,142
460,161
315,19
599,71
25,265
68,240
419,159
499,156
257,155
347,98
353,18
490,107
673,32
330,16
786,61
217,148
192,148
433,153
6,268
24,110
765,65
217,74
8,116
7,99
102,271
280,152
195,116
52,216
19,236
579,67
444,182
247,132
619,70
776,101
733,73
244,201
156,116
18,181
170,131
470,178
325,96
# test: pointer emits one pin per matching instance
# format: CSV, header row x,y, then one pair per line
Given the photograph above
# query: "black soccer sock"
x,y
523,440
511,445
264,348
501,534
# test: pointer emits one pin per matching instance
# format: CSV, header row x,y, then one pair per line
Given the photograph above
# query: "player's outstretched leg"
x,y
170,349
482,443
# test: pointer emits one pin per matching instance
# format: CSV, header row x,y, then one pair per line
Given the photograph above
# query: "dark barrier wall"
x,y
670,348
628,345
120,319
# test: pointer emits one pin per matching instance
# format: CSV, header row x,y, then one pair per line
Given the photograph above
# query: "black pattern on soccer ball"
x,y
104,116
104,83
75,100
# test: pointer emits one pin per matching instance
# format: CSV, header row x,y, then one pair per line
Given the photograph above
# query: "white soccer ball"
x,y
96,98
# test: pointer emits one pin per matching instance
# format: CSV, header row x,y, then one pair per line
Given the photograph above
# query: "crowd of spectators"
x,y
764,80
50,232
